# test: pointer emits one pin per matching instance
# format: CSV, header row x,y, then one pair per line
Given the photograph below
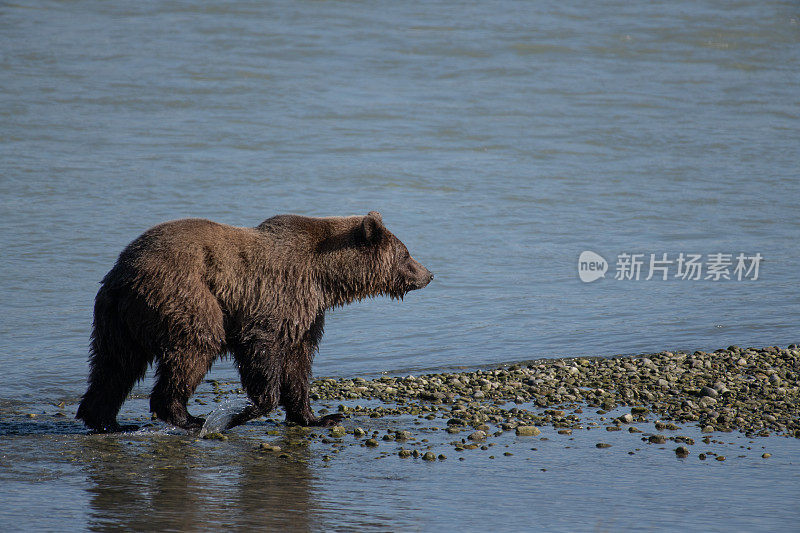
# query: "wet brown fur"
x,y
187,291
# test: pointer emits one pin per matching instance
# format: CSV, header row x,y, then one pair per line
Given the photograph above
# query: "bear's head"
x,y
402,272
397,272
356,257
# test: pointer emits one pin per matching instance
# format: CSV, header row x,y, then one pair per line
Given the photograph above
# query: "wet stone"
x,y
527,431
708,391
337,431
478,435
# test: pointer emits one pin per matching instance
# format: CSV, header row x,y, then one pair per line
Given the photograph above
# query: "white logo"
x,y
591,266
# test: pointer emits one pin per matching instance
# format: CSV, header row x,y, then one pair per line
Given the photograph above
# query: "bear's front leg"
x,y
260,373
294,397
295,387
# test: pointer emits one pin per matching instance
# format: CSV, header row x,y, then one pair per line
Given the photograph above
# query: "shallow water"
x,y
499,140
152,479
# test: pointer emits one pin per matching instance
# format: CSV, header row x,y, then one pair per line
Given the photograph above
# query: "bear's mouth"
x,y
421,284
406,286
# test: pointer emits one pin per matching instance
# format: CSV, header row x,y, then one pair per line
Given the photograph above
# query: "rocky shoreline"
x,y
753,390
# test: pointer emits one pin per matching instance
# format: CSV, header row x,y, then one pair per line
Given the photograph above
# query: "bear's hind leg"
x,y
117,362
177,376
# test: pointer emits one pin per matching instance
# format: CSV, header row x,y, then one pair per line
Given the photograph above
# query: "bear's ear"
x,y
372,226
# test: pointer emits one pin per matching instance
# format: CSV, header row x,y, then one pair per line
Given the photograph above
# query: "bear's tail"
x,y
116,363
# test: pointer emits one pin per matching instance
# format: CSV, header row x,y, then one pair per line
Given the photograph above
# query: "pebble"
x,y
603,445
337,431
707,401
429,456
528,431
682,451
657,439
708,391
766,455
478,435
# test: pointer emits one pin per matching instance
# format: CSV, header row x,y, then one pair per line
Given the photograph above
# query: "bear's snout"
x,y
424,276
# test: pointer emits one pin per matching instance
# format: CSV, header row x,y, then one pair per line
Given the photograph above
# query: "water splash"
x,y
218,419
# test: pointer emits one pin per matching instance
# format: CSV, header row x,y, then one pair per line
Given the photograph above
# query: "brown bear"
x,y
188,291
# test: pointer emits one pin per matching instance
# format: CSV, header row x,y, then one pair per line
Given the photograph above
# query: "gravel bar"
x,y
752,390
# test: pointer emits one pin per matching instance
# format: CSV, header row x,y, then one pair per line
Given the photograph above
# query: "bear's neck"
x,y
344,280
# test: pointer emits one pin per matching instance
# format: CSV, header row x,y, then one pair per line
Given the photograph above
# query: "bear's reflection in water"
x,y
176,483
